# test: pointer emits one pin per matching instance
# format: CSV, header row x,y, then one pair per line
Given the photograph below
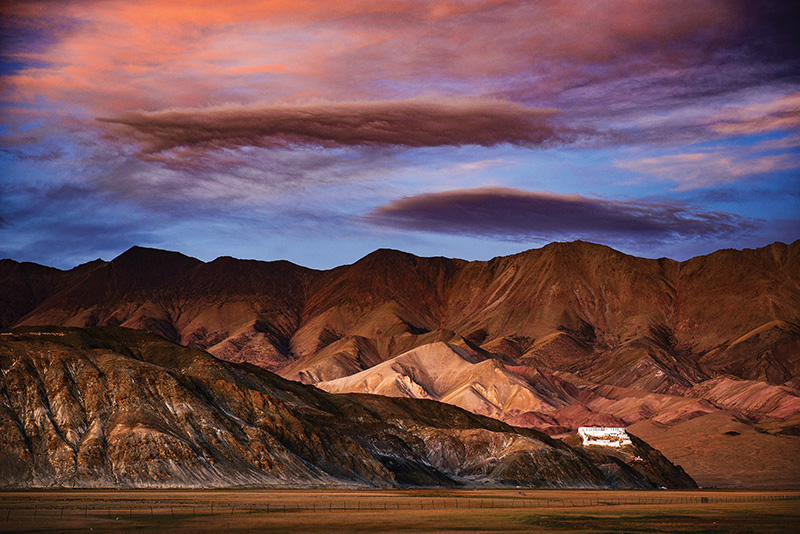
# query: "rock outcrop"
x,y
113,407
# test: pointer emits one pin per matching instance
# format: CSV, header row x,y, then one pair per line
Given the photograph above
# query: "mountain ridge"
x,y
274,313
608,336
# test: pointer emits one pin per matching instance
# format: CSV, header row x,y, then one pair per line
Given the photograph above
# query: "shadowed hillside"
x,y
113,407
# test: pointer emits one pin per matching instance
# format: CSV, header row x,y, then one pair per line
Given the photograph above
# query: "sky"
x,y
318,131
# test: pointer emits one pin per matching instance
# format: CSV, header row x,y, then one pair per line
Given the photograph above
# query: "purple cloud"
x,y
516,215
404,123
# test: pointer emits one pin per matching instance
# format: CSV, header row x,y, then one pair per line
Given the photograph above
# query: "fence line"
x,y
373,505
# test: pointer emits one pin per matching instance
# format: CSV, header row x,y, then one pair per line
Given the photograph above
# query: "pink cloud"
x,y
781,113
151,54
592,60
704,169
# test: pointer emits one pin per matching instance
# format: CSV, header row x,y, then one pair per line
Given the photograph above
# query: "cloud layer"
x,y
608,66
710,168
516,215
107,57
303,113
405,123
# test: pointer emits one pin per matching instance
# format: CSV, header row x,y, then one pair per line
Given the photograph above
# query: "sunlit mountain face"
x,y
704,352
467,228
114,407
320,131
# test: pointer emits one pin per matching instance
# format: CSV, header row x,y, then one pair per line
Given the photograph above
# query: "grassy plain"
x,y
405,511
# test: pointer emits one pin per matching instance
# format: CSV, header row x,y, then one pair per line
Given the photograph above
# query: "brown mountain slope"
x,y
599,336
655,324
351,354
385,294
597,294
240,310
721,450
769,352
24,286
727,294
122,408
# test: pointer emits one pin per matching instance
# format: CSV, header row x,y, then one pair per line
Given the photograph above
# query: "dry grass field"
x,y
440,511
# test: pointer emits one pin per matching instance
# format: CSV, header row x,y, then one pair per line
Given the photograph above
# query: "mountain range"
x,y
700,358
115,407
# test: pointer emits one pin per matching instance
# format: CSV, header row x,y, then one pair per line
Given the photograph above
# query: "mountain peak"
x,y
160,265
386,254
137,254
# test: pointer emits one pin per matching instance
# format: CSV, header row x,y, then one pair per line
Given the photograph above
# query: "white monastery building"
x,y
606,436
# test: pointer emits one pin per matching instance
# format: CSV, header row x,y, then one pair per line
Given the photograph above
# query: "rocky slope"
x,y
120,408
766,416
554,338
676,322
452,374
638,459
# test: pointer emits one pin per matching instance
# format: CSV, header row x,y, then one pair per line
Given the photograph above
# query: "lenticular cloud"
x,y
403,123
517,215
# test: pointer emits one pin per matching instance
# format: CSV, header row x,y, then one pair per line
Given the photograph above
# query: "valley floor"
x,y
432,510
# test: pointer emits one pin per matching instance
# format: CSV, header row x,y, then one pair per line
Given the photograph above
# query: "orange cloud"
x,y
180,53
105,58
255,69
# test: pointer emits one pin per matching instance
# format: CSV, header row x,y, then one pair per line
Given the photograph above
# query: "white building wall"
x,y
605,436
